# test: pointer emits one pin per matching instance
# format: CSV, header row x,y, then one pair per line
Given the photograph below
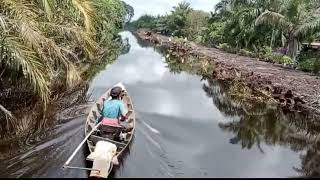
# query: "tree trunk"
x,y
272,38
292,48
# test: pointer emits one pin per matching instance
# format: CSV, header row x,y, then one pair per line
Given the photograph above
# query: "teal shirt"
x,y
113,108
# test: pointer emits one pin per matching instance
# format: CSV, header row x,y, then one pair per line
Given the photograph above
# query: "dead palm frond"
x,y
8,115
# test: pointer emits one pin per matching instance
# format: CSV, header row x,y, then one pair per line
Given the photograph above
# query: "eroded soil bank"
x,y
294,90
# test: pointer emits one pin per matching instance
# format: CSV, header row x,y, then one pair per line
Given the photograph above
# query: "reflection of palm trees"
x,y
310,161
259,122
142,42
191,64
216,91
252,129
268,124
174,66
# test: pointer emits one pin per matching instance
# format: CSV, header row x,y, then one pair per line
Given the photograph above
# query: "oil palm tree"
x,y
238,17
297,19
38,37
177,18
43,42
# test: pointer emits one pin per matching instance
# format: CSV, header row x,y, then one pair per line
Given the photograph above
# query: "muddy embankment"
x,y
294,90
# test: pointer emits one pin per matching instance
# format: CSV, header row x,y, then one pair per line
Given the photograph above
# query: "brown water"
x,y
186,127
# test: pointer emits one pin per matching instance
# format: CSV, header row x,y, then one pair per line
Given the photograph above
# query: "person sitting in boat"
x,y
114,110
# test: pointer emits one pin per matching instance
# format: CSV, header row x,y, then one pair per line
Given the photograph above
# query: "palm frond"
x,y
73,77
8,116
47,6
308,28
7,113
77,34
32,67
3,23
20,9
273,18
40,38
87,9
31,36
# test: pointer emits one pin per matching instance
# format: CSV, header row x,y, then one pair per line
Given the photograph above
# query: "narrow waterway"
x,y
186,127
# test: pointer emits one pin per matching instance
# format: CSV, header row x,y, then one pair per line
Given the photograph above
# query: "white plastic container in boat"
x,y
102,158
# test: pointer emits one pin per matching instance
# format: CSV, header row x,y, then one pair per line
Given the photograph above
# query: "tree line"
x,y
273,30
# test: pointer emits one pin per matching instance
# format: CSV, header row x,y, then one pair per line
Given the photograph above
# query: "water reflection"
x,y
261,124
178,131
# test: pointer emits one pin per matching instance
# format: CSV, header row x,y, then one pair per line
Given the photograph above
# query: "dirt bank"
x,y
293,89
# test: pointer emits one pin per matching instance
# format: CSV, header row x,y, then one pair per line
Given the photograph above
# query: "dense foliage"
x,y
273,30
47,44
182,21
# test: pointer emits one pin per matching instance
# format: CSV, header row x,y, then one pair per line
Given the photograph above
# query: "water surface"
x,y
186,127
177,124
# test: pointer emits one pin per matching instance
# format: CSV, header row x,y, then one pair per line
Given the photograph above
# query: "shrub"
x,y
266,50
245,52
309,60
224,46
310,65
276,57
286,60
306,65
266,53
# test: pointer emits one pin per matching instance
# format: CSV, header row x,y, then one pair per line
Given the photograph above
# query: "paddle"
x,y
79,146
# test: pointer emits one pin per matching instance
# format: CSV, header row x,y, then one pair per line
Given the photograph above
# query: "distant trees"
x,y
268,29
170,24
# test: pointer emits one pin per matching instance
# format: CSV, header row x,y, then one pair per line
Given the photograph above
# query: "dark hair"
x,y
115,92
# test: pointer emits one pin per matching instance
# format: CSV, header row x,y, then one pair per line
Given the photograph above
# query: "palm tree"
x,y
182,6
177,18
238,18
44,42
297,19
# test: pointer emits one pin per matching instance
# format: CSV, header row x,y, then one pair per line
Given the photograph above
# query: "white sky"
x,y
155,7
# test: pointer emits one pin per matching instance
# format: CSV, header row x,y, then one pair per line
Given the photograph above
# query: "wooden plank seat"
x,y
111,128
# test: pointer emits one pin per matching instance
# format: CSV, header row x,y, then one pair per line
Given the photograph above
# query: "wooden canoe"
x,y
95,114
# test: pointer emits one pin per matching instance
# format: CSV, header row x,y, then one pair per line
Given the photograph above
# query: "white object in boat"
x,y
102,157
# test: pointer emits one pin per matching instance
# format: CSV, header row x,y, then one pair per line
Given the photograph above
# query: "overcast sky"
x,y
156,7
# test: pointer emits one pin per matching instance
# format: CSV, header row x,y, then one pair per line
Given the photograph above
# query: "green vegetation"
x,y
48,45
271,30
182,21
309,60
